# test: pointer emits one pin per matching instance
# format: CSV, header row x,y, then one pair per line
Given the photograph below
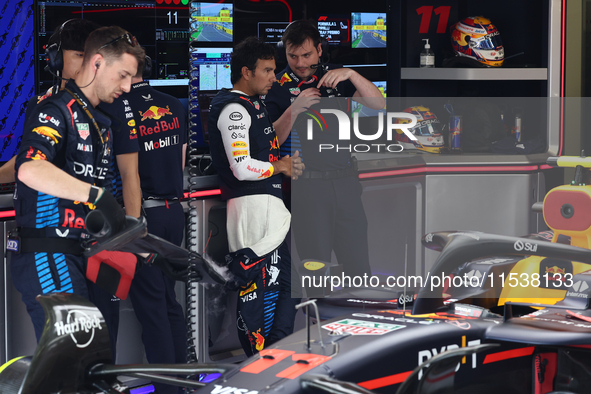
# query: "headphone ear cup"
x,y
147,71
54,58
325,54
281,60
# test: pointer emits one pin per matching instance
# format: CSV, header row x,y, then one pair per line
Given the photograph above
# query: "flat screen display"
x,y
364,111
210,68
368,30
211,22
271,32
162,28
335,28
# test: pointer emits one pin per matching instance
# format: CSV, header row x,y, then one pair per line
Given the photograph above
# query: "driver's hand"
x,y
297,166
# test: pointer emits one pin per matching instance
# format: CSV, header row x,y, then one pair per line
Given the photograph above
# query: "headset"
x,y
54,55
147,71
282,56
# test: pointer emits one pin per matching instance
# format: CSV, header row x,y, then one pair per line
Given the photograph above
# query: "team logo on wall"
x,y
16,85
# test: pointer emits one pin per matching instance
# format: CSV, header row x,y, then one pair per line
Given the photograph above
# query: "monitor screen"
x,y
271,32
335,28
210,68
368,30
162,29
211,22
366,111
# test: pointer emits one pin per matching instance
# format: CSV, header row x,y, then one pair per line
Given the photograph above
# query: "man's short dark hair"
x,y
112,42
247,53
72,34
299,31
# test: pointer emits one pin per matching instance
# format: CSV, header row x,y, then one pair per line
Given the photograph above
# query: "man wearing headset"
x,y
64,54
66,46
330,214
63,168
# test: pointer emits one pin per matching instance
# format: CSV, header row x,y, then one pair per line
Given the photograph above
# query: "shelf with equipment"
x,y
531,33
475,74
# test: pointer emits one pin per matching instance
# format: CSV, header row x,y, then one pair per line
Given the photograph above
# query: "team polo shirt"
x,y
161,129
124,136
60,131
284,92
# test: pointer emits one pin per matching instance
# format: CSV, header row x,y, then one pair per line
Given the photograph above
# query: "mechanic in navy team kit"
x,y
62,169
327,207
155,125
245,152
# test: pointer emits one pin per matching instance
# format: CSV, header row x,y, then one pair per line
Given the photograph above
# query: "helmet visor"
x,y
490,42
427,127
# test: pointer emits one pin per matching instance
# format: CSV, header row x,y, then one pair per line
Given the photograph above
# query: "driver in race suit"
x,y
245,151
63,168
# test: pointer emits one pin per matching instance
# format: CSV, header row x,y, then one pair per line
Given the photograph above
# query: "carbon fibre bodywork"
x,y
376,346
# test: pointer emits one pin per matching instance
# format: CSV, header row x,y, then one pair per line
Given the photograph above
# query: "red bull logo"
x,y
70,219
555,270
35,155
267,173
259,340
252,288
275,143
284,78
160,126
132,134
155,112
41,98
429,115
49,133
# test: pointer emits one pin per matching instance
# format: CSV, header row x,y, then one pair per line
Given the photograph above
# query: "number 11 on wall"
x,y
170,15
426,11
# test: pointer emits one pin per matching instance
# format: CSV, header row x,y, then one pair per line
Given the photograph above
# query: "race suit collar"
x,y
293,77
139,85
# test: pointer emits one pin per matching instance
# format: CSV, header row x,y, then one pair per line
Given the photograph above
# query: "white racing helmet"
x,y
427,131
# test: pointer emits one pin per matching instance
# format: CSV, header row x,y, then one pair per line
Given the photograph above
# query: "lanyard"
x,y
85,108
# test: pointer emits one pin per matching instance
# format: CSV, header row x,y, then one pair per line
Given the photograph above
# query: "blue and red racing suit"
x,y
59,131
243,146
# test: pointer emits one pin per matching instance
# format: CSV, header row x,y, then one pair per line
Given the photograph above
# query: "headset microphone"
x,y
52,72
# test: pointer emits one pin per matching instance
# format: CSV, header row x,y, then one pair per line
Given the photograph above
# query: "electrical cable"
x,y
192,230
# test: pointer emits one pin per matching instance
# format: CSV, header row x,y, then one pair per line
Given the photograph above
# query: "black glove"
x,y
245,265
170,268
108,218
